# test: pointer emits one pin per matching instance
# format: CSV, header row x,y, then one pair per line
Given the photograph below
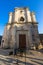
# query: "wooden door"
x,y
22,41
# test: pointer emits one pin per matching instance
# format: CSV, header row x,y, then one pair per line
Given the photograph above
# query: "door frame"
x,y
17,37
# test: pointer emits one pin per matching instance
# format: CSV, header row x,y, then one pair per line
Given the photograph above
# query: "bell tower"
x,y
22,15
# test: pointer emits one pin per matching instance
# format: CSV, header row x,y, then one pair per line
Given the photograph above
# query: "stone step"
x,y
5,51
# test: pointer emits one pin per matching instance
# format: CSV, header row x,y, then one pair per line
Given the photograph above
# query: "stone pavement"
x,y
32,58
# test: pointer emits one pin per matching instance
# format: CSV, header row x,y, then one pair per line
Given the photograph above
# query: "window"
x,y
2,41
21,19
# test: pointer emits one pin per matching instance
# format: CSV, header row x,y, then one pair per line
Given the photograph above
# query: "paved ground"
x,y
32,58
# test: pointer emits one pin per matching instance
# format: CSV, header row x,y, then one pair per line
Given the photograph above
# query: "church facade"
x,y
21,30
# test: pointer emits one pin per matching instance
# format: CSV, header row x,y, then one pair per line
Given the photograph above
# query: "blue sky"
x,y
7,6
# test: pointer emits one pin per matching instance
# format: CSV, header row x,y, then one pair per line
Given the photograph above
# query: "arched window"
x,y
2,41
21,19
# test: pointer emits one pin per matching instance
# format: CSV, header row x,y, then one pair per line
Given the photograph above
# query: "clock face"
x,y
21,19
